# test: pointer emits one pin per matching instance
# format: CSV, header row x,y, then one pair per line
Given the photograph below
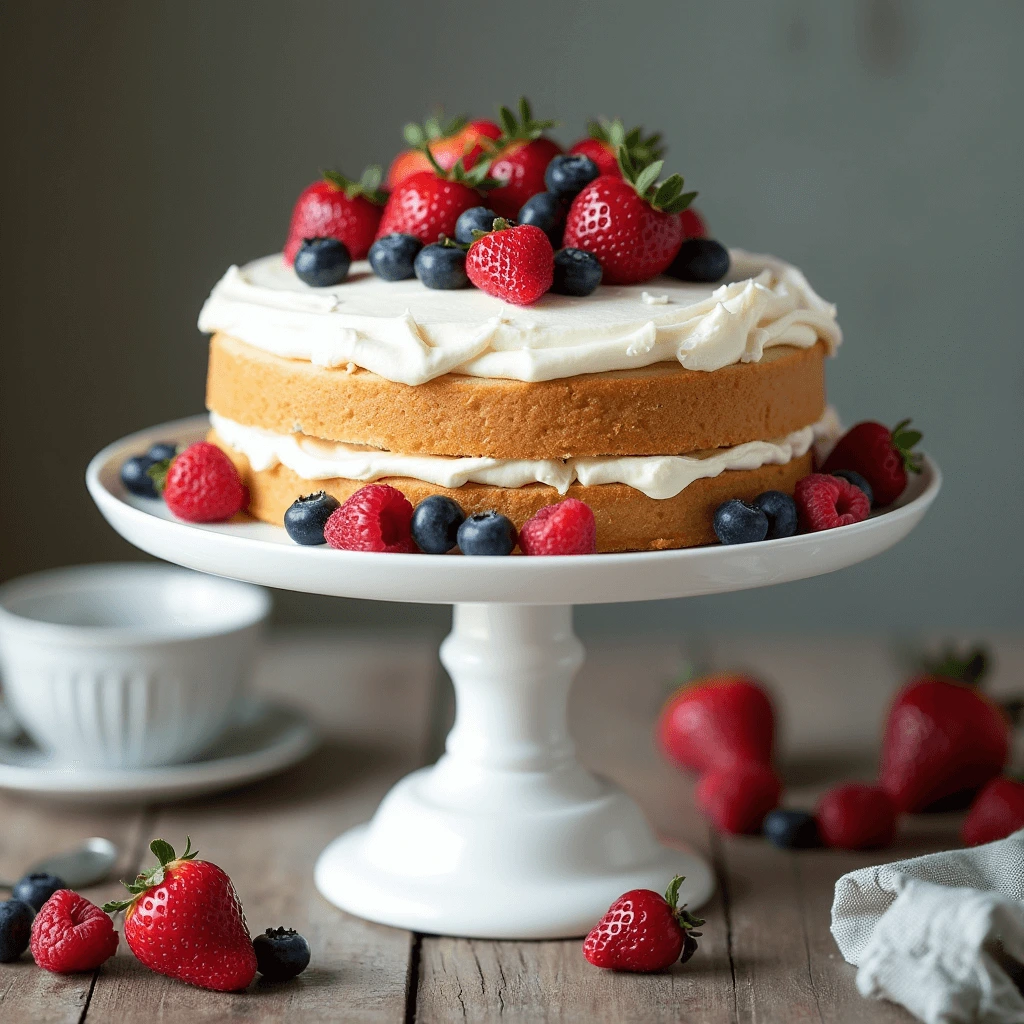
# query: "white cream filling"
x,y
657,476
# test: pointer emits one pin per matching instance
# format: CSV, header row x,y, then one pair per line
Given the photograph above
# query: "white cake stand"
x,y
507,836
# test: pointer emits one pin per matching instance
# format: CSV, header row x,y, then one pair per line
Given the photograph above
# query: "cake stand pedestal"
x,y
507,836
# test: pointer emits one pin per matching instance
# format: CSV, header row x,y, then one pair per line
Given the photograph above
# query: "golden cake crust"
x,y
662,409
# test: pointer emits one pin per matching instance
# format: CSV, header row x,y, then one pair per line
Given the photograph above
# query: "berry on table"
x,y
479,218
576,272
857,480
700,259
545,210
70,934
15,929
281,954
791,830
202,485
162,450
391,257
780,509
35,889
997,811
306,517
487,533
376,518
605,139
136,477
567,528
435,524
569,174
736,522
824,502
736,796
514,264
322,262
882,457
856,816
519,159
441,267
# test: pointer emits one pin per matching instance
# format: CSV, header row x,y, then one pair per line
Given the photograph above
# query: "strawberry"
x,y
514,264
448,142
737,795
881,456
629,223
716,720
694,225
997,811
71,934
643,931
856,817
519,158
338,207
606,138
201,485
184,920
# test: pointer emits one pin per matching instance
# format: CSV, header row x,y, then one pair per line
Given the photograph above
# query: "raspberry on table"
x,y
825,502
71,934
376,518
567,528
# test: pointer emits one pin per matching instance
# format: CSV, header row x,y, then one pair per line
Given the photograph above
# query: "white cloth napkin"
x,y
941,934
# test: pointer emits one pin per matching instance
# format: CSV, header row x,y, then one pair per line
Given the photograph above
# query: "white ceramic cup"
x,y
126,666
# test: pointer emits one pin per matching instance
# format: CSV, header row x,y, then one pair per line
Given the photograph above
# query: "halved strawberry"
x,y
519,159
605,138
448,142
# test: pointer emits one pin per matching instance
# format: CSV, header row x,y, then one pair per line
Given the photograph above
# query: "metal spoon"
x,y
87,864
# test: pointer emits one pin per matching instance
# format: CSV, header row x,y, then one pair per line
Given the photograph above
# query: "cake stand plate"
x,y
507,836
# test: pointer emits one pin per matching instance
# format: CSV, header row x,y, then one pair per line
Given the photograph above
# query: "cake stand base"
x,y
507,836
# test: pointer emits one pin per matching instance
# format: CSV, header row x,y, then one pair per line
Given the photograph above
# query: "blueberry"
x,y
442,266
781,512
547,211
479,218
15,929
281,954
305,518
736,522
858,481
791,830
577,272
435,524
392,257
701,259
568,175
162,450
487,533
321,262
136,478
37,888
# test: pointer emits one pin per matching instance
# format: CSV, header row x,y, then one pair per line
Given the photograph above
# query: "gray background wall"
x,y
877,144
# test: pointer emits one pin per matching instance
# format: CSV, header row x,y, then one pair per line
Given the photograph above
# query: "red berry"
x,y
605,139
856,816
643,931
881,456
457,141
71,934
425,206
997,811
375,518
514,264
203,486
737,796
337,207
567,528
693,223
602,153
824,502
520,168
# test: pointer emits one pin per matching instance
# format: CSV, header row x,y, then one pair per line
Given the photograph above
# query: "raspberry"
x,y
71,934
857,817
375,518
825,502
203,486
567,528
738,795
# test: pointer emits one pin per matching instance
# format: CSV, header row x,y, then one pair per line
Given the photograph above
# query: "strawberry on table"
x,y
856,816
737,796
997,811
605,138
448,142
519,158
882,456
514,263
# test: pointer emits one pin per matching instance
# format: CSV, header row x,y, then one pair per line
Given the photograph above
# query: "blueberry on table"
x,y
16,918
701,259
568,175
435,524
392,257
781,512
37,888
281,954
487,533
322,262
306,517
853,477
442,267
477,218
577,272
162,450
547,211
736,522
135,476
791,830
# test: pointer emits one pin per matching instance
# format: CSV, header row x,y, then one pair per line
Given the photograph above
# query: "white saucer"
x,y
263,739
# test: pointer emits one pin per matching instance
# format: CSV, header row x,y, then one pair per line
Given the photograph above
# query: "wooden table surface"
x,y
382,704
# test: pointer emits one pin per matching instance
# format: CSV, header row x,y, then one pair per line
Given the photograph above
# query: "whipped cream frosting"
x,y
657,476
410,334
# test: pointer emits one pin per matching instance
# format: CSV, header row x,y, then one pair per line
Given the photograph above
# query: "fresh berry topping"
x,y
136,477
567,528
519,159
737,796
545,210
643,931
15,928
479,218
376,518
322,262
448,141
514,264
487,533
435,524
881,456
281,954
700,259
70,934
997,811
427,205
857,480
202,485
162,450
441,266
576,272
693,224
185,920
567,175
35,889
736,522
780,510
392,257
791,830
606,138
338,207
306,517
856,816
717,720
825,502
